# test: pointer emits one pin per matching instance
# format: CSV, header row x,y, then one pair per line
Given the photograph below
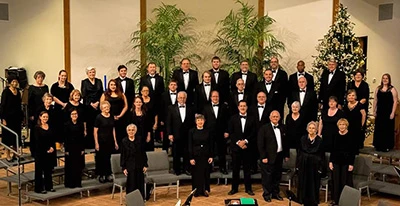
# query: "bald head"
x,y
302,82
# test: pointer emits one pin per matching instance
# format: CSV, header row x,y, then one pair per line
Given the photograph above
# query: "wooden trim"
x,y
143,27
261,13
67,38
335,7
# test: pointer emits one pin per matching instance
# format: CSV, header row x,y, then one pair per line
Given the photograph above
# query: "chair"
x,y
158,172
361,173
350,197
289,168
325,180
118,175
134,199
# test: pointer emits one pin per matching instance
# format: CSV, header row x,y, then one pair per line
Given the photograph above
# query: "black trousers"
x,y
241,158
90,116
43,177
201,175
340,177
74,164
120,131
180,150
271,174
221,151
165,140
135,180
102,161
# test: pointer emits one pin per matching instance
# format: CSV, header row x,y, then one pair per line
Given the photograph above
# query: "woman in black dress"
x,y
342,160
119,106
152,114
201,156
11,115
35,94
91,89
309,164
328,124
75,104
47,106
361,88
297,126
139,118
60,91
45,156
133,160
105,141
74,151
354,112
385,103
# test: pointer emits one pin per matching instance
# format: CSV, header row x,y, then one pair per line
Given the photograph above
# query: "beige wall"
x,y
33,37
383,38
299,24
100,34
207,13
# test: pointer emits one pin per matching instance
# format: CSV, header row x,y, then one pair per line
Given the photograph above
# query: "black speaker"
x,y
20,73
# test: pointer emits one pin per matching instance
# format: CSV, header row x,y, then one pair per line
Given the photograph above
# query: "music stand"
x,y
397,170
189,198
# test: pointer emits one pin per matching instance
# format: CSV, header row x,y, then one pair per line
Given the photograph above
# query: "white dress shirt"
x,y
244,77
243,121
153,81
302,74
260,108
302,95
215,108
330,76
240,96
274,73
216,75
123,84
186,80
182,111
277,132
268,86
173,97
207,90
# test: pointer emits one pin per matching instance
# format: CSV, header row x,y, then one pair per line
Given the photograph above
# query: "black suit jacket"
x,y
129,90
309,109
223,84
293,83
251,81
175,126
337,87
159,86
193,82
200,98
236,134
275,97
165,103
267,144
253,110
234,101
220,124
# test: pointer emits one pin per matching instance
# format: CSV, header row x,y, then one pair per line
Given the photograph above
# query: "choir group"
x,y
236,115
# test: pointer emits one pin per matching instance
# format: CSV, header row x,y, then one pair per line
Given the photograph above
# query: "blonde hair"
x,y
313,123
344,121
88,69
73,92
47,95
104,103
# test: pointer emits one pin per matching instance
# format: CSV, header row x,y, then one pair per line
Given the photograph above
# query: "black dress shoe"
x,y
250,192
44,192
52,190
267,198
205,194
223,171
232,192
278,197
102,179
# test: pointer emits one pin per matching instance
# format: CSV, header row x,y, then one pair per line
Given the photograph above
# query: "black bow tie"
x,y
244,73
273,71
215,105
331,73
243,117
216,71
152,76
276,127
268,83
302,90
181,106
173,93
301,74
207,85
260,106
186,72
124,79
240,92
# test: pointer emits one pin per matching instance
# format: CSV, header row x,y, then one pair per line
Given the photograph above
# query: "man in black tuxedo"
x,y
180,119
307,98
275,97
261,112
293,78
238,95
220,78
187,79
280,79
202,94
333,83
249,78
168,98
242,131
273,148
217,118
153,81
127,85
